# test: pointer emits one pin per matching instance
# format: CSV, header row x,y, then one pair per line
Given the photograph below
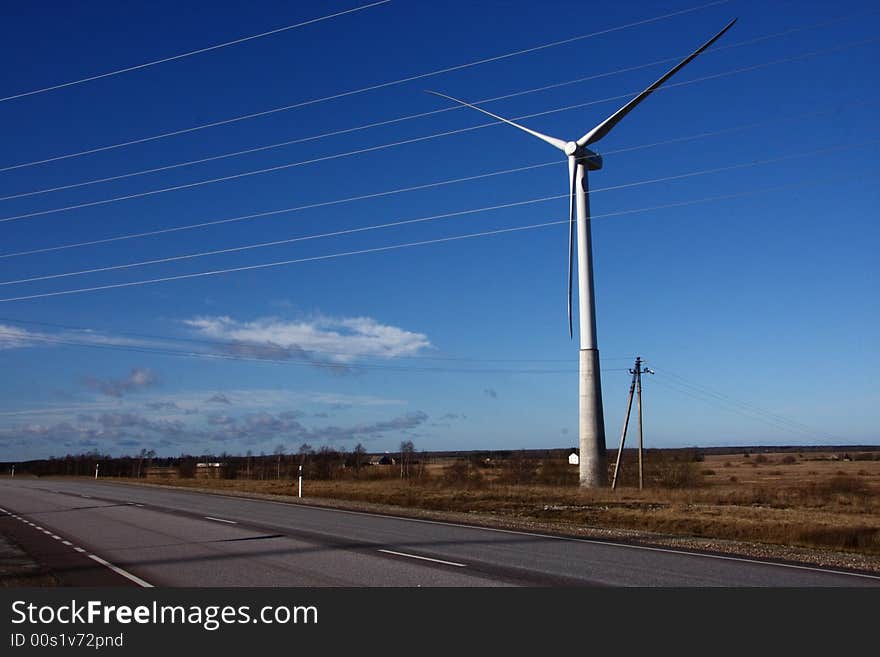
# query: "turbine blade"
x,y
608,124
572,174
558,143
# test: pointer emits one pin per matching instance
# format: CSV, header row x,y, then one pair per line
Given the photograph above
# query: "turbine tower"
x,y
591,424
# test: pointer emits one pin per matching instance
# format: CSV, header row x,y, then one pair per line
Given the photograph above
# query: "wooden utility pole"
x,y
635,385
629,404
638,375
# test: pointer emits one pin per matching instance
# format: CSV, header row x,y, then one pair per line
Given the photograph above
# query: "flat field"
x,y
817,500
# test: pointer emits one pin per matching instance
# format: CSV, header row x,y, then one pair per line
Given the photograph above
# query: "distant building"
x,y
574,459
209,470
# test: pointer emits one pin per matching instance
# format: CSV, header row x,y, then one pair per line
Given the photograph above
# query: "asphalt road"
x,y
99,532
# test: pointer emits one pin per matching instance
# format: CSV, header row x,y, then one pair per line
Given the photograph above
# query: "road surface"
x,y
101,533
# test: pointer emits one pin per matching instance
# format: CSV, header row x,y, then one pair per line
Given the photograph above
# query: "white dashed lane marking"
x,y
116,569
416,556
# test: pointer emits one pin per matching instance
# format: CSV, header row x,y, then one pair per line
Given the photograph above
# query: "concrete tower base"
x,y
591,430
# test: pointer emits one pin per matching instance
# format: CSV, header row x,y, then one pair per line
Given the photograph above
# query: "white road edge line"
x,y
116,569
68,543
79,549
229,522
416,556
558,538
56,537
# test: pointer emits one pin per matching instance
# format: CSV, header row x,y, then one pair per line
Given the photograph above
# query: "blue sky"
x,y
734,225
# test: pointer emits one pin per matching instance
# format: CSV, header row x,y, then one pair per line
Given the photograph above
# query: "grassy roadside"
x,y
18,569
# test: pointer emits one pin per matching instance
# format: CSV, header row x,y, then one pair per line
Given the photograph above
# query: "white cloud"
x,y
162,406
333,340
137,379
12,337
120,431
103,417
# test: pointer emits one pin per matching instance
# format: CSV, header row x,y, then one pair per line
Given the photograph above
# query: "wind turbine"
x,y
591,425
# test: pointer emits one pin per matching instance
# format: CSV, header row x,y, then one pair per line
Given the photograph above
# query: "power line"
x,y
733,409
693,392
713,402
446,215
414,140
247,151
375,87
275,212
290,240
424,186
92,332
257,149
68,409
386,248
300,363
747,406
191,52
227,344
418,115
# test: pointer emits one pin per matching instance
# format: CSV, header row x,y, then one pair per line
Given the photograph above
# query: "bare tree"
x,y
140,463
279,452
305,450
151,454
407,449
359,455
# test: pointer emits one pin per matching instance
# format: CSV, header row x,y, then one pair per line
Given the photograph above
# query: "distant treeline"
x,y
330,463
321,464
672,452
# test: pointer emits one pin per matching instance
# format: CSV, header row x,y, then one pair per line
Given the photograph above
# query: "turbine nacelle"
x,y
590,159
583,155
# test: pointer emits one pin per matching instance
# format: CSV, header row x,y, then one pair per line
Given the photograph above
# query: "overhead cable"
x,y
409,117
374,87
50,340
164,60
400,190
413,140
392,247
394,224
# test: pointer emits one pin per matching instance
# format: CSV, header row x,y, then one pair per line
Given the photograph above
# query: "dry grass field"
x,y
829,501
